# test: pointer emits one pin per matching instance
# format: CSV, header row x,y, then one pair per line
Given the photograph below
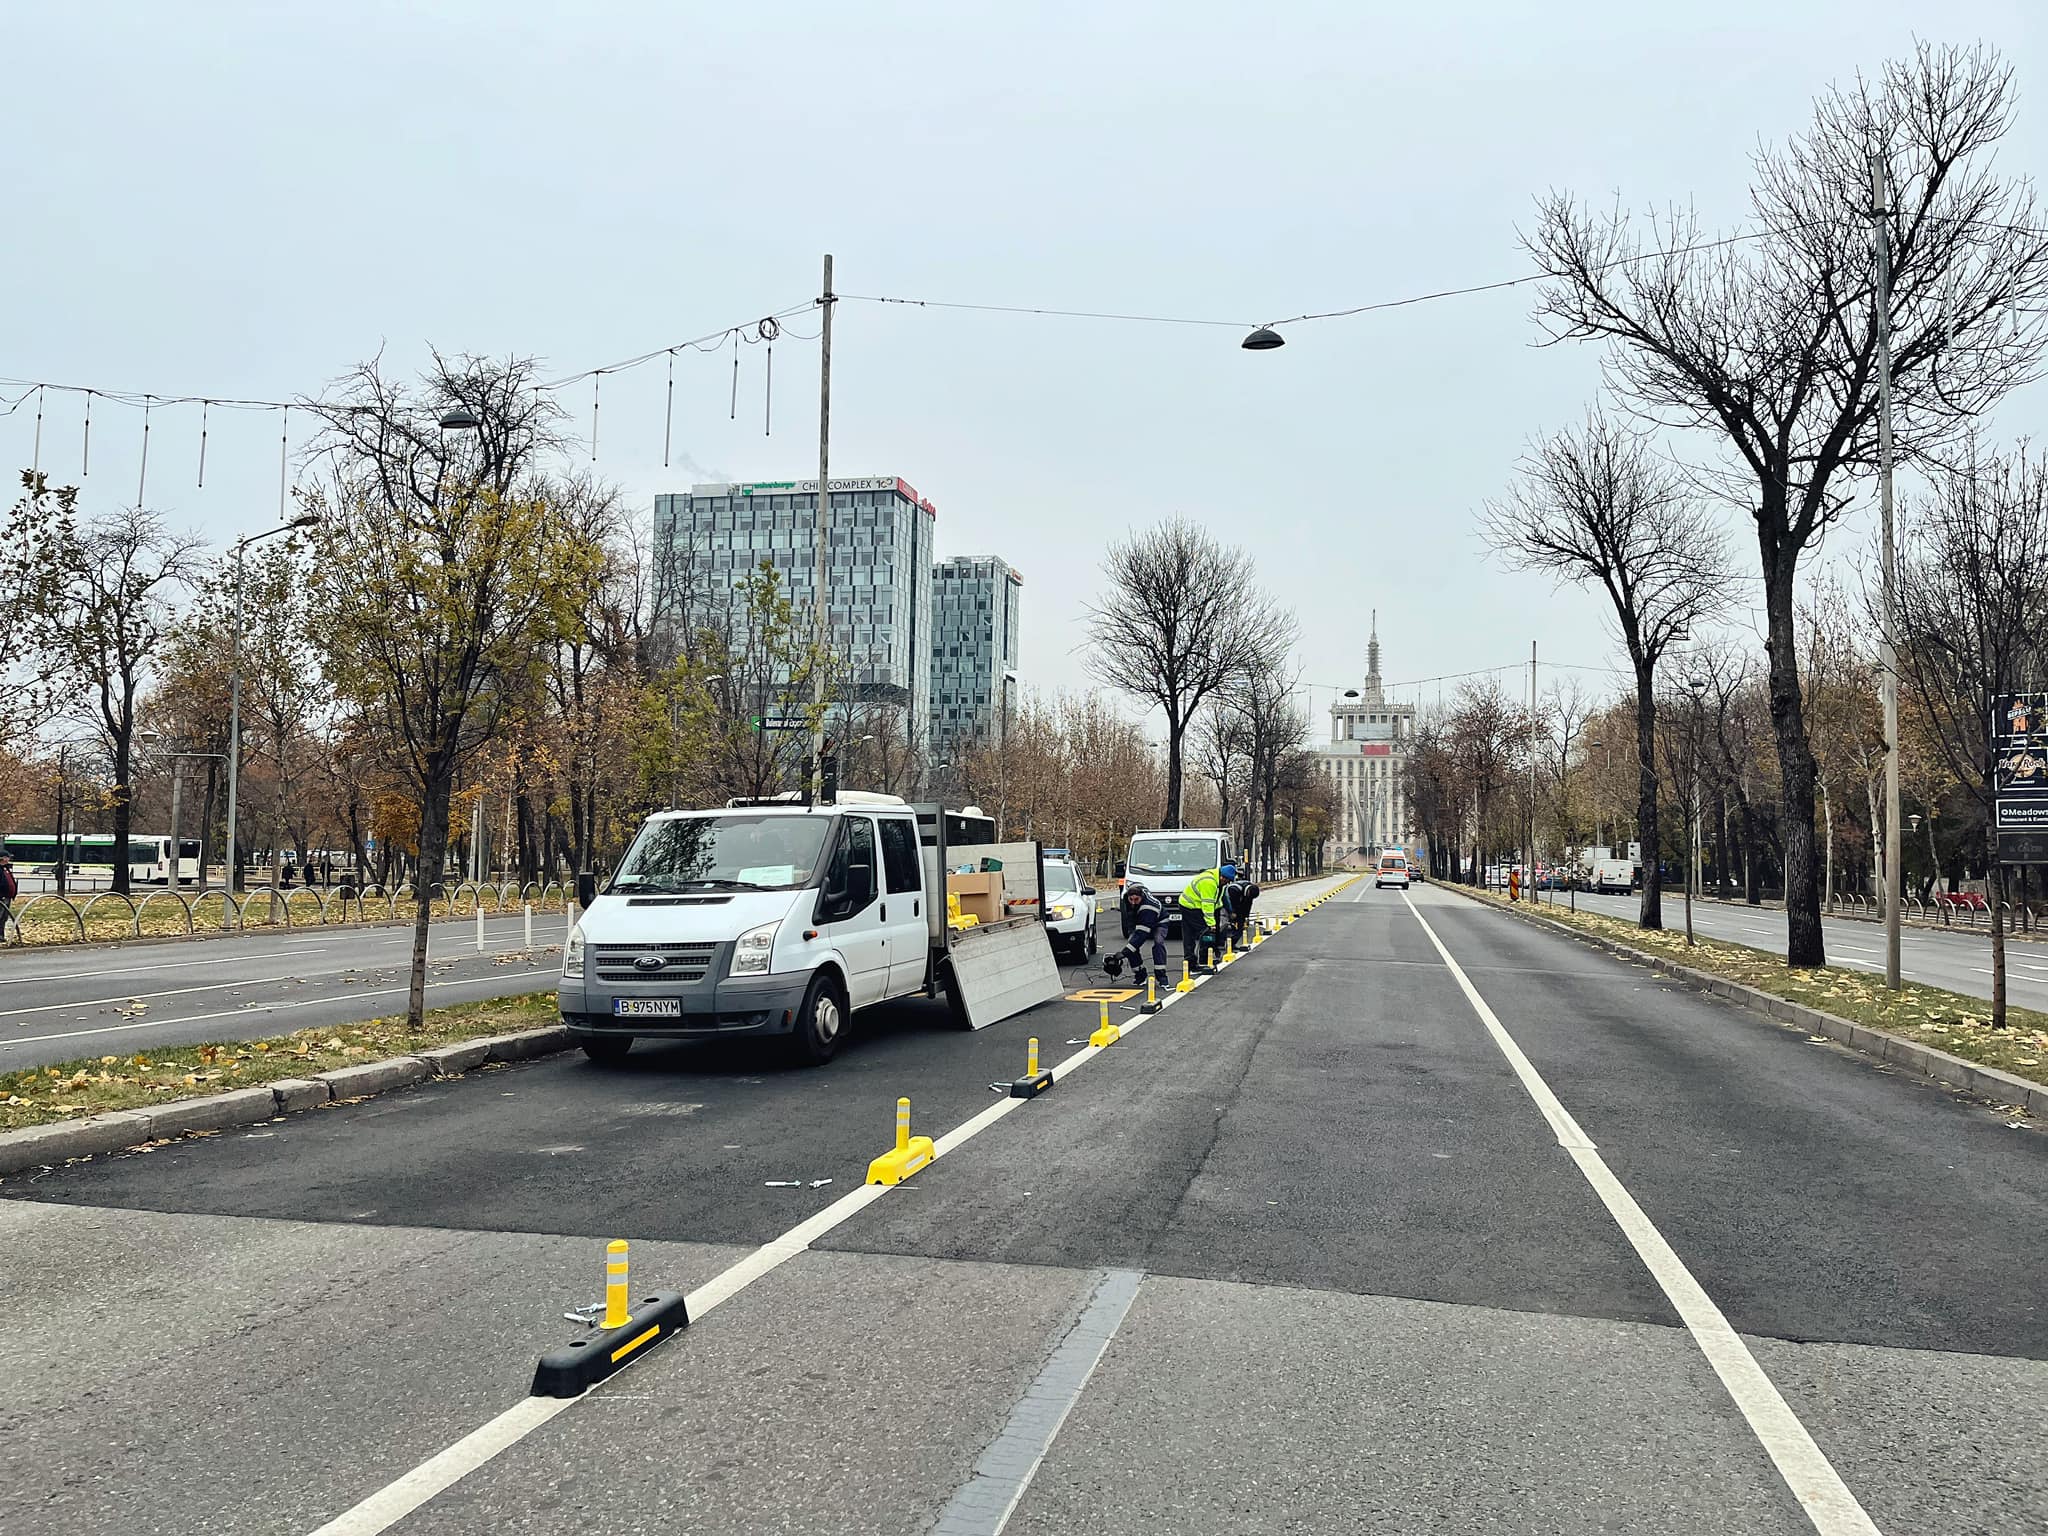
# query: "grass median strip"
x,y
1947,1021
94,1085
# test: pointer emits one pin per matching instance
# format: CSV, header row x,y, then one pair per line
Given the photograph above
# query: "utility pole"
x,y
1529,859
234,841
819,631
177,795
1894,882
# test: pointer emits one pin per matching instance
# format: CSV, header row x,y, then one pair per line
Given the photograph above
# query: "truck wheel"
x,y
820,1022
606,1047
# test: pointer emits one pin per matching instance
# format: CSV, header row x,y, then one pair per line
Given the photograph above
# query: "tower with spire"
x,y
1365,760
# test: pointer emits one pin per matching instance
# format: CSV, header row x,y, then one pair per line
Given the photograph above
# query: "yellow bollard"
x,y
910,1154
1229,952
1035,1080
1151,1004
616,1312
1186,982
1106,1033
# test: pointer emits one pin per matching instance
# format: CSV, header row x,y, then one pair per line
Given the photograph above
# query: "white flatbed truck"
x,y
782,919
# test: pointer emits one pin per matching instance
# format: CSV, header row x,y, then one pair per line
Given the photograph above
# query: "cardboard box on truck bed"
x,y
980,895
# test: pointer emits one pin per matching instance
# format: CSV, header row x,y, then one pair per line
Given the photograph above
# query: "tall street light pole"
x,y
819,630
1894,884
234,847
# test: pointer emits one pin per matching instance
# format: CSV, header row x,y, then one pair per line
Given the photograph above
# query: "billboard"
x,y
2019,777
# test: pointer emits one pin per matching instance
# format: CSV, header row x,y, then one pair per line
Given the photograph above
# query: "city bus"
x,y
90,855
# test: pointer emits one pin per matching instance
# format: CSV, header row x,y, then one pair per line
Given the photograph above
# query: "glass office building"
x,y
878,589
975,599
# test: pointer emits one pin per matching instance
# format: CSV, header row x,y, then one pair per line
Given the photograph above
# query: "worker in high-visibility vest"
x,y
1200,900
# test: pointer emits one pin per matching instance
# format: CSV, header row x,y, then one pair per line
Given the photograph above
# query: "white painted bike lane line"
x,y
1808,1474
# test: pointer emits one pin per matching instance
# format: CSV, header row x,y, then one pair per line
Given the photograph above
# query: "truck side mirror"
x,y
1119,869
860,885
586,888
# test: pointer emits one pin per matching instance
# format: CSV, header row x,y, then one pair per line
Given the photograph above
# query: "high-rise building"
x,y
878,584
975,599
1366,758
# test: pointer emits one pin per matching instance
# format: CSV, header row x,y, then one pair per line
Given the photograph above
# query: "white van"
x,y
1165,861
1392,870
777,918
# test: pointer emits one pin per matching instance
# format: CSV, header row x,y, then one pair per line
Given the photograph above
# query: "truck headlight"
x,y
750,951
1062,912
572,952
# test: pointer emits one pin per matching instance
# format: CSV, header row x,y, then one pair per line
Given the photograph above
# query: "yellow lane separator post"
x,y
1186,982
910,1153
629,1329
1106,1033
1151,1003
616,1313
1033,1082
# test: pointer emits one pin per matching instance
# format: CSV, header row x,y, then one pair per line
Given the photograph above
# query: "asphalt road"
x,y
1333,1244
60,1003
1956,959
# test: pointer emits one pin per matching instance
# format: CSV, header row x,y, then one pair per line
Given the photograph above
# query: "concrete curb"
x,y
46,1146
1985,1082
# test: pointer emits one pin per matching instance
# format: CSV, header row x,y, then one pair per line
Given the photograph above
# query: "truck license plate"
x,y
647,1007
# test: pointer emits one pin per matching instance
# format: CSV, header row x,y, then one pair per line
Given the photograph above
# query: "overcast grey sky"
x,y
245,199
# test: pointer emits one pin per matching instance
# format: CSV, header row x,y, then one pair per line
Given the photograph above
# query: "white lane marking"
x,y
250,1013
396,938
175,965
441,1471
1807,1472
392,1503
142,997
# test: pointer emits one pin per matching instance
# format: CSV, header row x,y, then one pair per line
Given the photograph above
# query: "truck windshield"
x,y
1173,856
728,853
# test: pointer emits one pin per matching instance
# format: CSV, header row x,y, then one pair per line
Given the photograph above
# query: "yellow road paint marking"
x,y
626,1349
1103,995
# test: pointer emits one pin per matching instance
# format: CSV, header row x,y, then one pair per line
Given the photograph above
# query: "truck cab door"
x,y
850,911
903,903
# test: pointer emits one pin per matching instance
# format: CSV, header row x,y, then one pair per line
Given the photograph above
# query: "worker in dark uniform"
x,y
1144,922
1239,892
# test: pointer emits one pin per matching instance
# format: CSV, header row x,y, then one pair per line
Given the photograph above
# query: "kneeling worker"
x,y
1144,921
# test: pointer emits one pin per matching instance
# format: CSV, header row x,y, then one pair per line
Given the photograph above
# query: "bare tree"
x,y
1769,338
1596,505
105,619
1272,725
1974,613
1181,621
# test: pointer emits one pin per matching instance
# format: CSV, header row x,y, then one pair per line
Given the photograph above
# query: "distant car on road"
x,y
1392,870
1071,908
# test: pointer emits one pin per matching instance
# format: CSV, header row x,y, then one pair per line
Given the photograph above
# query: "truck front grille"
x,y
679,962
